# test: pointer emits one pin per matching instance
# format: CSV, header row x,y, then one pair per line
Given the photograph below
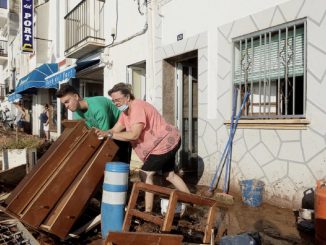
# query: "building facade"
x,y
187,58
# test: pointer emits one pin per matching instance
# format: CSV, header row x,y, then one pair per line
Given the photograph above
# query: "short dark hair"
x,y
66,89
46,106
124,88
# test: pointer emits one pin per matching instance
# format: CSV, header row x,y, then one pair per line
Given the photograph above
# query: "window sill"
x,y
271,124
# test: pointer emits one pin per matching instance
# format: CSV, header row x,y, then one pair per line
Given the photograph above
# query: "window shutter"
x,y
263,56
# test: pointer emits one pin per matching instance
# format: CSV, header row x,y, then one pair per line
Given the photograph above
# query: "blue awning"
x,y
14,97
36,78
55,79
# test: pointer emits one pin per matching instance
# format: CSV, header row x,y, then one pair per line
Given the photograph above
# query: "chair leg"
x,y
131,205
210,223
167,224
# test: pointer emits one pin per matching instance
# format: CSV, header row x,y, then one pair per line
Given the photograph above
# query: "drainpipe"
x,y
150,67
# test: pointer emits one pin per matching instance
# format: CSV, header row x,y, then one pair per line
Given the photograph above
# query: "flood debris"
x,y
165,223
54,194
144,238
12,232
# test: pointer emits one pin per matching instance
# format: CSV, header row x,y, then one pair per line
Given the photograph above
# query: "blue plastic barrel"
x,y
252,192
115,188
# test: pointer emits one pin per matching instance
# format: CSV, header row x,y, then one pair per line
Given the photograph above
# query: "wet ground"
x,y
271,224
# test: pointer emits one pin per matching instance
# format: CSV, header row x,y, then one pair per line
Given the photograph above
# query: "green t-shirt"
x,y
101,113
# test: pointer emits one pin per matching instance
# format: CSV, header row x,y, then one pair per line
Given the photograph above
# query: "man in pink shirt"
x,y
154,140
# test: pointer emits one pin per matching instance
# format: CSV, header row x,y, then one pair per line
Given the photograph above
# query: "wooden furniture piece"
x,y
174,196
143,238
55,193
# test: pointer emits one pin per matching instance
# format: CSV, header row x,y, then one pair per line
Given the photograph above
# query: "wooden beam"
x,y
142,238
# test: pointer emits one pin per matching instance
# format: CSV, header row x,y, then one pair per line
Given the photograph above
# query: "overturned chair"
x,y
175,196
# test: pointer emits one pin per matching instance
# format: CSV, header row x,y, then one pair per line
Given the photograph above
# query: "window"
x,y
3,4
136,76
271,65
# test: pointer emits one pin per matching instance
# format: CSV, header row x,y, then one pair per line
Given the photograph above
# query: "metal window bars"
x,y
271,65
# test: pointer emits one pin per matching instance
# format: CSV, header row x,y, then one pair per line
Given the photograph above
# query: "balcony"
x,y
84,28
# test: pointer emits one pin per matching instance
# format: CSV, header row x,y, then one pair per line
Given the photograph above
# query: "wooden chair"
x,y
175,196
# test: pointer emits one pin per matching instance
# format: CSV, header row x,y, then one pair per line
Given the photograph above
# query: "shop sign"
x,y
27,26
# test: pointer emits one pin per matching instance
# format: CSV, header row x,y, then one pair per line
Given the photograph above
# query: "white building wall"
x,y
288,161
191,17
130,22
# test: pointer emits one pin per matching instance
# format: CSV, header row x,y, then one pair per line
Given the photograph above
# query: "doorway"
x,y
180,105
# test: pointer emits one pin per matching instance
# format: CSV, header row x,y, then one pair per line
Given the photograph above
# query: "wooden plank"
x,y
59,181
34,171
167,224
146,216
131,205
46,166
143,238
71,205
211,219
71,123
154,188
198,200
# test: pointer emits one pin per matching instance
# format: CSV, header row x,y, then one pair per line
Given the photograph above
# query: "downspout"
x,y
150,93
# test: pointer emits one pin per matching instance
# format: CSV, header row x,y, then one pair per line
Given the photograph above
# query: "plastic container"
x,y
243,239
320,212
179,209
252,192
115,188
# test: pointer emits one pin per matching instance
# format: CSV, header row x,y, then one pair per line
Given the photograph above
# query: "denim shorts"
x,y
164,162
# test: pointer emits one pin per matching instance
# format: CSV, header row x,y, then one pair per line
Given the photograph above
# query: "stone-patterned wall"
x,y
288,161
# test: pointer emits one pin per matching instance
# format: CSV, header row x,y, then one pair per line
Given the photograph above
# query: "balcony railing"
x,y
84,28
3,48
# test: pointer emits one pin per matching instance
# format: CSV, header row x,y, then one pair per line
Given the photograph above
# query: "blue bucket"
x,y
115,188
252,192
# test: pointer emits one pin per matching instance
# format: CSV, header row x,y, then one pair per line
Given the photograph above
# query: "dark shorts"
x,y
124,152
20,124
164,162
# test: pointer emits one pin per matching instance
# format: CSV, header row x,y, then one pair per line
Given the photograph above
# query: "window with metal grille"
x,y
271,65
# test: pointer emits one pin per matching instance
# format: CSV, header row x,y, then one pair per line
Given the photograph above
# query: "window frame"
x,y
252,36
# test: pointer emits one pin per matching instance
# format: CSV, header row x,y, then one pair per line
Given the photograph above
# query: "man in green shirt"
x,y
98,112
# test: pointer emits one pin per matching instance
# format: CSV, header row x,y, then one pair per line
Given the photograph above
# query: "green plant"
x,y
21,143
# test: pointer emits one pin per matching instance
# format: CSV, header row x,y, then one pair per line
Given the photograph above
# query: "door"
x,y
137,78
186,112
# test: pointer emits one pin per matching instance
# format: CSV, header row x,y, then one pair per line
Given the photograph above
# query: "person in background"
x,y
154,140
20,115
98,112
46,122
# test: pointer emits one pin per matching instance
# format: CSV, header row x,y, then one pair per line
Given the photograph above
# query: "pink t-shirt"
x,y
158,137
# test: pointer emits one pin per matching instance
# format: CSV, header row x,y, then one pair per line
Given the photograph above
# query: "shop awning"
x,y
14,97
53,80
36,78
